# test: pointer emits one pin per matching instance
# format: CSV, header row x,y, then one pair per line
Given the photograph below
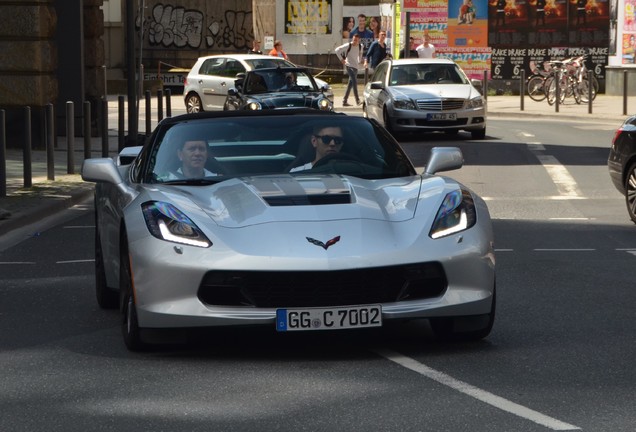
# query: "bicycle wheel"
x,y
550,89
534,84
584,89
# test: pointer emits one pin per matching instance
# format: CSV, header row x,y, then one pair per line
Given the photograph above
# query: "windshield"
x,y
279,80
210,150
430,73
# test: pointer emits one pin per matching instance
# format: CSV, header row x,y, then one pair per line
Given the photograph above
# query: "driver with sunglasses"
x,y
325,140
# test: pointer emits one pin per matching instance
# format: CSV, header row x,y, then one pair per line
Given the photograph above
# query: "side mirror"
x,y
377,85
232,92
444,159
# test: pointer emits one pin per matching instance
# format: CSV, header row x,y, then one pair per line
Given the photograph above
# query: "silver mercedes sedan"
x,y
424,94
300,220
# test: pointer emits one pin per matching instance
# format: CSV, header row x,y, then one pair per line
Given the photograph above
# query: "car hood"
x,y
286,99
247,201
448,91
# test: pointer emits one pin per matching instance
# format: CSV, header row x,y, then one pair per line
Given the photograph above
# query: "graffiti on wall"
x,y
170,26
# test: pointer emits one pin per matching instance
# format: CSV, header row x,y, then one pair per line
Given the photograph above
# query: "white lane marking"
x,y
75,261
565,183
475,392
562,250
631,252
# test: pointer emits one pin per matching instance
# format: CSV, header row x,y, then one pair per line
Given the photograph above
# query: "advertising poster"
x,y
433,24
629,48
474,61
468,23
308,17
362,20
508,24
589,23
629,24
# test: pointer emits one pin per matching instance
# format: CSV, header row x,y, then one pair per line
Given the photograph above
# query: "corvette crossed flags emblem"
x,y
325,246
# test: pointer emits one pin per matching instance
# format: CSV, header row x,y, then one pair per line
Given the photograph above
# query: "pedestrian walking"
x,y
350,55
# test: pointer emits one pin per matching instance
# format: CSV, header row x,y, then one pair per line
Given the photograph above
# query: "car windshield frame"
x,y
246,145
426,74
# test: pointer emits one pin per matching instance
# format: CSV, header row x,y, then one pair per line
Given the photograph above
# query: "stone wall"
x,y
29,56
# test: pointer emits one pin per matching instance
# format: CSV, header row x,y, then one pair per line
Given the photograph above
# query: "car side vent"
x,y
299,200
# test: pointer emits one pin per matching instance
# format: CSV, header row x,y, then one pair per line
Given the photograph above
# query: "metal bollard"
x,y
104,128
159,105
50,141
3,155
558,78
484,86
625,87
122,143
26,150
590,93
87,130
522,89
148,113
70,137
168,102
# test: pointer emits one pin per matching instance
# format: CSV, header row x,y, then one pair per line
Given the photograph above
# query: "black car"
x,y
277,88
622,163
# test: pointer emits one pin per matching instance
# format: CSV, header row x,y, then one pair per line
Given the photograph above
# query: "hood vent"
x,y
299,200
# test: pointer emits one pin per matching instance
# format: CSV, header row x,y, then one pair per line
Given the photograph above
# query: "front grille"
x,y
440,104
322,288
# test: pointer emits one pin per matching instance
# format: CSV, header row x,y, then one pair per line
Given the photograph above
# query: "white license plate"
x,y
328,318
445,116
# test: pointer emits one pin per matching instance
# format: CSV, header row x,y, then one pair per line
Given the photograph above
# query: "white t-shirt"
x,y
425,51
180,176
307,166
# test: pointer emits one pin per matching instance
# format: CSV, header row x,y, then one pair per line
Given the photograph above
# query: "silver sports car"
x,y
298,219
424,94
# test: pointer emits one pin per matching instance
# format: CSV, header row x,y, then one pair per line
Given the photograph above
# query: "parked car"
x,y
277,88
413,95
292,219
622,163
207,84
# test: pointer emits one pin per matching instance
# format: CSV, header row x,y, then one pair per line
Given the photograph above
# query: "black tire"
x,y
535,85
478,134
193,103
630,191
444,328
130,324
107,298
387,121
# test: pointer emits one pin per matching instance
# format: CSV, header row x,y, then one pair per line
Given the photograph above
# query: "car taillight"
x,y
185,81
616,135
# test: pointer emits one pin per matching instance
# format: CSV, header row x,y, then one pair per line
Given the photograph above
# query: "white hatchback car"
x,y
207,83
415,95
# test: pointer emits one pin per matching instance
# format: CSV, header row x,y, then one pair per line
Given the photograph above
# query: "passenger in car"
x,y
193,155
325,140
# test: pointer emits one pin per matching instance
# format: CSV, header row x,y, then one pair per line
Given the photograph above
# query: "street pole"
x,y
131,67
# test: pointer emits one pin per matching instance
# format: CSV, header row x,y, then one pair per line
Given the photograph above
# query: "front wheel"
x,y
107,298
478,134
130,324
535,88
630,191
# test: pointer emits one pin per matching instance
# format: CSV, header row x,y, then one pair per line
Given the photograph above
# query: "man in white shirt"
x,y
427,49
193,156
350,54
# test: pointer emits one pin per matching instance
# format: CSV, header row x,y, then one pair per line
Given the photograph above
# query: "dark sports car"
x,y
622,163
277,88
294,219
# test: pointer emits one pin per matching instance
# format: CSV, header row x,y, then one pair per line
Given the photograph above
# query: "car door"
x,y
216,77
374,96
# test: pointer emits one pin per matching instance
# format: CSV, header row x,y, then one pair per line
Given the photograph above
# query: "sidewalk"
x,y
23,206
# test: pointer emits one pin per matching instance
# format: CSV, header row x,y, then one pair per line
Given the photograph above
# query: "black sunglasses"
x,y
326,139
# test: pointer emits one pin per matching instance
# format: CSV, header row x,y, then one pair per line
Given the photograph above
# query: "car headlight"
x,y
324,104
166,222
456,213
406,104
477,102
254,106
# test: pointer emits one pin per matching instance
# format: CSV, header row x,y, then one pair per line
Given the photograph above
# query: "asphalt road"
x,y
560,356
